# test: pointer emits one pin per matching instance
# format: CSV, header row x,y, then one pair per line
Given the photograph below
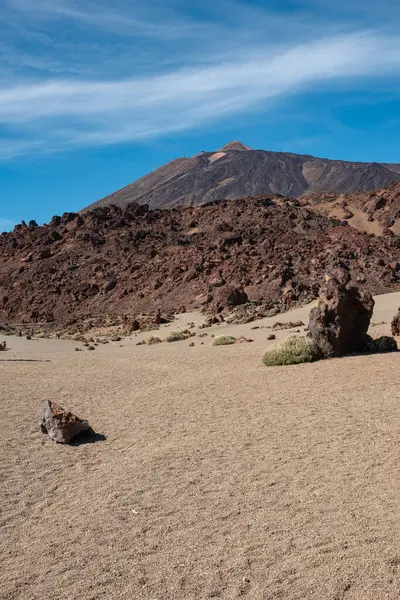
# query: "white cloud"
x,y
117,17
154,81
14,147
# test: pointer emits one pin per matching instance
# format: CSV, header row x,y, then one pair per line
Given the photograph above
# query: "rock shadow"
x,y
30,360
87,437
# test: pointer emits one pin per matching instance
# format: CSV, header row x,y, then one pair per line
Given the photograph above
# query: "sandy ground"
x,y
218,478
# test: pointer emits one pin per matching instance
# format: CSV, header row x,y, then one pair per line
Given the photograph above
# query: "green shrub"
x,y
293,351
224,340
176,336
153,339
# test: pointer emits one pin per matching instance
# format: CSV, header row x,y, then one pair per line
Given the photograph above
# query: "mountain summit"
x,y
235,145
236,171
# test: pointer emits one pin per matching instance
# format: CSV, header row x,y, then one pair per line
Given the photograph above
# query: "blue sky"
x,y
94,94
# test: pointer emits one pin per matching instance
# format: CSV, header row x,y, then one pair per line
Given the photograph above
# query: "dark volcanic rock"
x,y
396,324
60,425
341,320
385,343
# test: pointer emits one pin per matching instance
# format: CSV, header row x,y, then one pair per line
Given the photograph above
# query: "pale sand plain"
x,y
218,477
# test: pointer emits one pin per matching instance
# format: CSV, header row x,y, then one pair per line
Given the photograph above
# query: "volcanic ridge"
x,y
127,260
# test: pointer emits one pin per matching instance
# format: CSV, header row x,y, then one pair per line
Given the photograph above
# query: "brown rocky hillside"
x,y
372,212
123,261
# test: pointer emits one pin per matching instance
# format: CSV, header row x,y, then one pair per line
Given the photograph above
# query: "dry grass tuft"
x,y
293,351
176,336
153,339
224,340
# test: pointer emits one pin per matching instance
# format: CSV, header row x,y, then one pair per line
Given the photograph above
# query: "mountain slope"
x,y
236,171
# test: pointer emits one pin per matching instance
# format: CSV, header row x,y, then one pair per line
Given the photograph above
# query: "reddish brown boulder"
x,y
340,322
228,296
62,426
46,253
396,324
202,300
110,285
212,320
131,324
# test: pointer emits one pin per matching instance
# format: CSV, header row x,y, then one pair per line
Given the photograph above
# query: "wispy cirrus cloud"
x,y
166,71
117,17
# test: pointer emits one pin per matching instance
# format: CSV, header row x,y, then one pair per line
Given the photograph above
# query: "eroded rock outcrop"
x,y
341,320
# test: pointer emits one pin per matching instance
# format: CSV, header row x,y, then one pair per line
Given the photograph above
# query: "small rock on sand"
x,y
61,426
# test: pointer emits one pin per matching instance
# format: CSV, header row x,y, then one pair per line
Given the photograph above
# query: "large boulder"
x,y
340,322
228,296
396,324
62,426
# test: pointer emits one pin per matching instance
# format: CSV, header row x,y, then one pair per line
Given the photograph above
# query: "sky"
x,y
95,94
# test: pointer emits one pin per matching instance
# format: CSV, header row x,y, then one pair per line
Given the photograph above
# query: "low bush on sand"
x,y
293,351
176,336
153,339
224,340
